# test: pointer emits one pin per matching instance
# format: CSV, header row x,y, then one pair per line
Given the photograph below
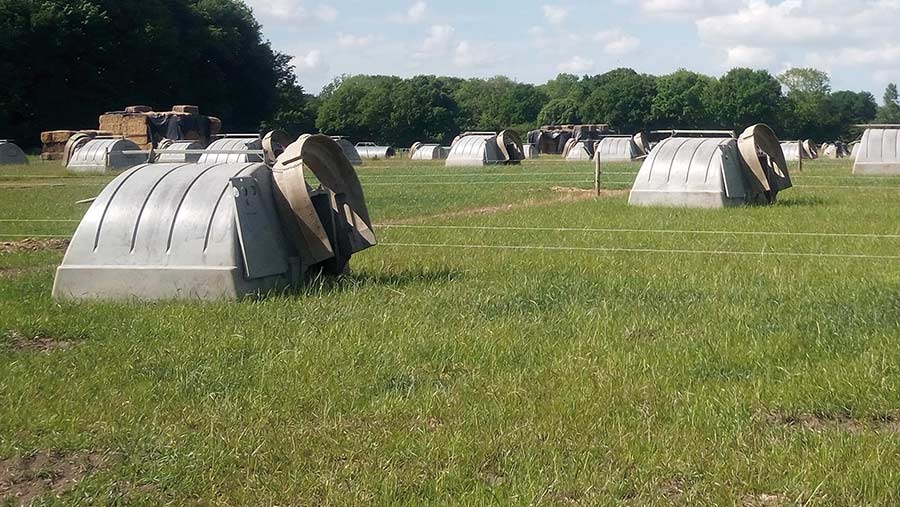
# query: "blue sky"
x,y
856,41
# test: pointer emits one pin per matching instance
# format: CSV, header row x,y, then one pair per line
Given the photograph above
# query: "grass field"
x,y
512,341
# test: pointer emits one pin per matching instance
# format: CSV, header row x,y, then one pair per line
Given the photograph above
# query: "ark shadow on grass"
x,y
321,285
796,201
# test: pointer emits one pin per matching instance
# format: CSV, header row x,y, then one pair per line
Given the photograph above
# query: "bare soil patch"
x,y
888,423
26,478
33,245
590,192
764,500
13,273
41,342
562,195
673,489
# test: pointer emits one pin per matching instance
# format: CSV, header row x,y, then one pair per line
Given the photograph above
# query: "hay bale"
x,y
215,125
54,141
138,109
111,122
186,109
136,125
125,124
56,136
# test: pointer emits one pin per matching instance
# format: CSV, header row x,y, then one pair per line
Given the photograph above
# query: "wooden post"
x,y
801,155
597,174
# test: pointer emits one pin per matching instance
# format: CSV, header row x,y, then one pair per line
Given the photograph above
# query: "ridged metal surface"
x,y
878,152
232,144
218,230
373,152
791,151
581,151
616,149
475,150
176,158
11,154
691,172
430,152
349,150
99,155
164,230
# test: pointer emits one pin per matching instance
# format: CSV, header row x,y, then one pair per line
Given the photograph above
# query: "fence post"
x,y
597,174
801,155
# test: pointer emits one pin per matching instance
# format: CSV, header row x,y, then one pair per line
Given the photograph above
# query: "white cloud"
x,y
555,14
468,54
623,45
350,41
682,8
327,13
438,42
827,34
771,25
617,43
878,56
291,11
753,57
310,61
278,9
576,65
416,13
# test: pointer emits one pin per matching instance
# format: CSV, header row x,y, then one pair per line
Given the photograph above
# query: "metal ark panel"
x,y
101,155
691,172
474,150
11,154
617,149
878,152
232,144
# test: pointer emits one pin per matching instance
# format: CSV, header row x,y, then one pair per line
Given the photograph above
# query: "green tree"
x,y
890,111
744,97
360,108
65,62
295,111
622,97
847,109
679,101
520,105
424,110
808,111
564,111
497,103
561,87
805,80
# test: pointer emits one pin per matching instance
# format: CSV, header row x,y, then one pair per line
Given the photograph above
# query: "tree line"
x,y
63,62
798,104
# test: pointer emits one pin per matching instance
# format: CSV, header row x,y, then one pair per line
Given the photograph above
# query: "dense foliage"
x,y
798,104
64,62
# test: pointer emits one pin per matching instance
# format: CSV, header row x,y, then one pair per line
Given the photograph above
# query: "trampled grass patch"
x,y
505,344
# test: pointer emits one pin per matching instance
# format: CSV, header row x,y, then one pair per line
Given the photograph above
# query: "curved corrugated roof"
x,y
103,154
11,154
878,152
429,152
581,151
692,172
474,150
232,144
616,149
176,158
348,149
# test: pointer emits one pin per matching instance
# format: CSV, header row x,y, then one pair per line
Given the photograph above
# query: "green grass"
x,y
439,375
